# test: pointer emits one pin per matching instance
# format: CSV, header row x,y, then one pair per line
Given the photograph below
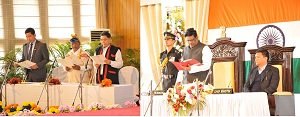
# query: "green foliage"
x,y
93,45
13,71
131,57
59,50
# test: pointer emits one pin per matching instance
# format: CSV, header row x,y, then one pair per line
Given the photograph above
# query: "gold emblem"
x,y
223,31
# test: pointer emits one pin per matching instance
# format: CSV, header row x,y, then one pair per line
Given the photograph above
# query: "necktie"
x,y
29,53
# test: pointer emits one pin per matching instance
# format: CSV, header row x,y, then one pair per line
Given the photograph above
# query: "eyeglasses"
x,y
191,40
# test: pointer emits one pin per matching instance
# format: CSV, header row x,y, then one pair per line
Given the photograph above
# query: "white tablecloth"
x,y
65,94
297,104
238,104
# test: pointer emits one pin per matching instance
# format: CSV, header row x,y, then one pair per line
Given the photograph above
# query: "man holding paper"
x,y
198,51
109,67
79,63
36,55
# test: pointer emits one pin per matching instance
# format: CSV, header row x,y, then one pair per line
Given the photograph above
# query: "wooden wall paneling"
x,y
124,19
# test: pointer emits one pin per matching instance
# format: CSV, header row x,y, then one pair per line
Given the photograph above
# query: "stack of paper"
x,y
26,64
99,59
70,61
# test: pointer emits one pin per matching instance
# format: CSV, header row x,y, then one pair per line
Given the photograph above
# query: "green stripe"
x,y
296,73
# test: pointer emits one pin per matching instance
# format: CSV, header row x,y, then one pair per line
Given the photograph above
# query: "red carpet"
x,y
135,111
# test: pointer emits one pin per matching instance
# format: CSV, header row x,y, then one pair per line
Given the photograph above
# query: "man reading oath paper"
x,y
198,51
113,60
36,52
80,63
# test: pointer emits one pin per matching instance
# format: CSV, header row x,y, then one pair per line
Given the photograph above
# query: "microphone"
x,y
209,72
86,64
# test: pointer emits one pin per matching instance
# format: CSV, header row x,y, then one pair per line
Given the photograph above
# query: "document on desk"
x,y
26,64
99,59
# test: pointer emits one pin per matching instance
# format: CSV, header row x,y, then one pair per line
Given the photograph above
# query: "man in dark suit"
x,y
37,52
264,77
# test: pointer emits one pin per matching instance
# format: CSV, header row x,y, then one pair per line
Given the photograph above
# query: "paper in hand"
x,y
75,60
99,59
67,62
26,64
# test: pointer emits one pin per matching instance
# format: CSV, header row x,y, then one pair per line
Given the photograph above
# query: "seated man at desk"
x,y
263,77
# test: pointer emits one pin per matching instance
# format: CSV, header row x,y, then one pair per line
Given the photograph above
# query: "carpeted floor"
x,y
135,111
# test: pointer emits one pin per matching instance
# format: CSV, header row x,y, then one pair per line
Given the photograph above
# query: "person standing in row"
x,y
198,51
37,52
171,54
112,62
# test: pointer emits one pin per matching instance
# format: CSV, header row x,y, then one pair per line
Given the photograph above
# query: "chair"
x,y
130,75
59,73
228,64
280,57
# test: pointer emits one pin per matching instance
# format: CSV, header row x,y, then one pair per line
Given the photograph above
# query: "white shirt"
x,y
33,45
263,68
118,63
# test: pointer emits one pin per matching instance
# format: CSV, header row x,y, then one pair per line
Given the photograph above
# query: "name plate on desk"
x,y
222,91
159,92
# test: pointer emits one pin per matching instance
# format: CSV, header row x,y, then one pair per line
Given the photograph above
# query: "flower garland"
x,y
31,109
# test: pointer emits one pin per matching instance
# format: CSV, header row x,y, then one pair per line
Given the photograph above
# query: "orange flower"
x,y
106,82
16,105
7,111
54,107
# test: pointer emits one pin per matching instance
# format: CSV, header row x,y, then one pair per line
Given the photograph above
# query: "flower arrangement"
x,y
79,107
183,98
31,109
106,83
174,23
130,104
1,107
96,106
14,81
53,110
66,109
54,81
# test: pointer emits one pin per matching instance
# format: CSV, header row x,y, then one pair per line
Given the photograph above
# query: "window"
x,y
88,20
26,14
60,18
1,22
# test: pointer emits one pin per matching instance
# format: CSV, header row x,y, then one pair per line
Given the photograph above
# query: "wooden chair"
x,y
228,64
282,58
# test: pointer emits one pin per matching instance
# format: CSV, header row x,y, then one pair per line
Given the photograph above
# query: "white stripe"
x,y
249,34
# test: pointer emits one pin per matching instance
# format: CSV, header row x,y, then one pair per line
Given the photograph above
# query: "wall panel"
x,y
124,19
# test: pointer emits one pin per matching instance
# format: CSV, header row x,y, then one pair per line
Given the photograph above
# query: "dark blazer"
x,y
269,79
40,56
